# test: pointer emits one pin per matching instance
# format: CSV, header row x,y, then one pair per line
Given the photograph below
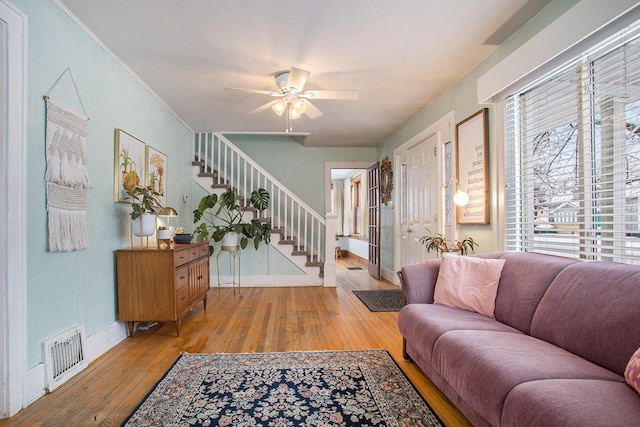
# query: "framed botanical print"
x,y
156,176
130,156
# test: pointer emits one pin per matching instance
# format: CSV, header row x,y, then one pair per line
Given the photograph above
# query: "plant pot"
x,y
164,234
182,238
230,240
145,225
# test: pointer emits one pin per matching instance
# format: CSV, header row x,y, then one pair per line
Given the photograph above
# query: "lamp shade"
x,y
167,212
460,198
279,106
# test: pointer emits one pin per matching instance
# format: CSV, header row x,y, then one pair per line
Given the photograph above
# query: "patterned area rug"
x,y
381,300
318,388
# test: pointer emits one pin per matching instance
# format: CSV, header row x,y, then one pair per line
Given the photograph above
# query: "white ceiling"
x,y
400,55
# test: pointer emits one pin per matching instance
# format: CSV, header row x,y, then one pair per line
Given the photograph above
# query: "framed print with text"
x,y
472,136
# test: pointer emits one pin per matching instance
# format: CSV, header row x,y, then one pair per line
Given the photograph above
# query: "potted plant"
x,y
222,216
144,206
164,232
439,244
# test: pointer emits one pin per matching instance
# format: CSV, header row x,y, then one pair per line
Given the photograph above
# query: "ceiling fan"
x,y
293,99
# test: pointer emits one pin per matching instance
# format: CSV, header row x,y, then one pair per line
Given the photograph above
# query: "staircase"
x,y
298,232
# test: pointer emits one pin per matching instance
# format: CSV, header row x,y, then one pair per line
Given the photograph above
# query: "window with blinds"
x,y
572,157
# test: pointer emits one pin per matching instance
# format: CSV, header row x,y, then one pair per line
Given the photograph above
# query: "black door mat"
x,y
381,300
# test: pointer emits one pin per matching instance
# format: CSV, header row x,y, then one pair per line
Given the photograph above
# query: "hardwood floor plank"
x,y
263,320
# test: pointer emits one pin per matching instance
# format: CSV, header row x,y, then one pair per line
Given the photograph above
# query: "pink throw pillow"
x,y
632,373
468,283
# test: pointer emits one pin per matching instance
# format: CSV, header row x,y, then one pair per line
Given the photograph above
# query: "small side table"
x,y
234,252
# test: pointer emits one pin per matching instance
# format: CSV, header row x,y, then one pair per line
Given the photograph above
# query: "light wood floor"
x,y
264,320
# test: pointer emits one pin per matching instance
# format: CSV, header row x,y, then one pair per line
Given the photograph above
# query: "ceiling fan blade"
x,y
263,107
262,92
298,78
349,95
312,111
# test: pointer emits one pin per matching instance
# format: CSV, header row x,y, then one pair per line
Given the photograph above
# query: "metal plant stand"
x,y
234,252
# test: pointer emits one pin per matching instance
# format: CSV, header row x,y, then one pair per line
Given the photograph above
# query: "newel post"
x,y
330,250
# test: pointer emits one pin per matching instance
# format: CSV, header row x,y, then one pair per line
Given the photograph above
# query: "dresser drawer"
x,y
182,277
204,250
195,253
182,299
181,257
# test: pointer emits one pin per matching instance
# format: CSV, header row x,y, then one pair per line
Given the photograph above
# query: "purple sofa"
x,y
554,355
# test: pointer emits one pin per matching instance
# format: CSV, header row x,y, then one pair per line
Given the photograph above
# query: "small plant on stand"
x,y
144,201
144,206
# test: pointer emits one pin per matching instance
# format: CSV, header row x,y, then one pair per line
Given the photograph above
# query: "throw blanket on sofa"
x,y
66,178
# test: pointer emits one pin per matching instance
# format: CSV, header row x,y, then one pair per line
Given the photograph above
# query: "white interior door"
x,y
419,198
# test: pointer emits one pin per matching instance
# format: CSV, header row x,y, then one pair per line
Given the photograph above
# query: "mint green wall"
x,y
462,98
299,168
65,289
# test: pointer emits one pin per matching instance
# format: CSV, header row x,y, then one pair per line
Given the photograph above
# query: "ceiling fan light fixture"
x,y
299,105
279,107
293,114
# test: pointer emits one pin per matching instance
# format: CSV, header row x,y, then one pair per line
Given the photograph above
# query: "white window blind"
x,y
572,151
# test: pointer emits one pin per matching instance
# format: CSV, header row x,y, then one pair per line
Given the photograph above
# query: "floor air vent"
x,y
64,356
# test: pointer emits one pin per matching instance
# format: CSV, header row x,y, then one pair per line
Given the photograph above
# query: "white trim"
x,y
327,179
497,197
574,26
433,129
13,309
35,384
329,262
105,339
120,61
389,275
269,281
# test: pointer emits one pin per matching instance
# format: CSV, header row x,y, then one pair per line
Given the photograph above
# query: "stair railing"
x,y
233,167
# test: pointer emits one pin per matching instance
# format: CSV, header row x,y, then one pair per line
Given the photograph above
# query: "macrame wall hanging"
x,y
66,178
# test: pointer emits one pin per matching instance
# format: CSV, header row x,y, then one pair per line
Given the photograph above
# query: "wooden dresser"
x,y
161,284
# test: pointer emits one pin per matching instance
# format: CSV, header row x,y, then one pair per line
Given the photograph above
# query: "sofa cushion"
x,y
632,372
419,280
591,309
468,283
423,324
524,280
484,366
569,402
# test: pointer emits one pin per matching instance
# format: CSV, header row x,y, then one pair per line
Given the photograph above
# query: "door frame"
x,y
448,122
13,323
373,206
327,178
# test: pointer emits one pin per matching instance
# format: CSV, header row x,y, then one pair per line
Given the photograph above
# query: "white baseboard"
x,y
390,275
269,280
105,339
97,344
34,387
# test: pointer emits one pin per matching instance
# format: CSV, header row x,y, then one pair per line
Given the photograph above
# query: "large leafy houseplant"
x,y
224,213
439,244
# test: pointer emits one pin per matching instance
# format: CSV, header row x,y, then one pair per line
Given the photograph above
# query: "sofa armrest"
x,y
418,281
